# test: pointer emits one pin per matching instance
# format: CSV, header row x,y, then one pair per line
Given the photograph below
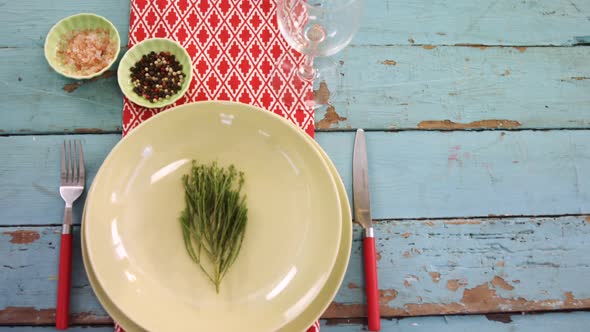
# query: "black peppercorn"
x,y
157,76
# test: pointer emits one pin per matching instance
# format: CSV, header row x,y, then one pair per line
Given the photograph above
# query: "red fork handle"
x,y
371,284
64,278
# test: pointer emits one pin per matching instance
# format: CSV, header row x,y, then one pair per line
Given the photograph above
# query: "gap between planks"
x,y
335,130
387,220
46,317
579,42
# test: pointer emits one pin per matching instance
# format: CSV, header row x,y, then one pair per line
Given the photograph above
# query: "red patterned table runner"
x,y
235,46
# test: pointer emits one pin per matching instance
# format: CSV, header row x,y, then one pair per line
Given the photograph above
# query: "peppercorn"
x,y
157,76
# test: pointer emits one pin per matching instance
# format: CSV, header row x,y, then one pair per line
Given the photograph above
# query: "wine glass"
x,y
318,28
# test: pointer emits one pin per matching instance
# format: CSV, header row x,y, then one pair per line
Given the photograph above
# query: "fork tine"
x,y
70,157
82,172
75,162
63,163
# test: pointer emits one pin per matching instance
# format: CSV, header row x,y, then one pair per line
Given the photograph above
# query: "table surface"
x,y
479,150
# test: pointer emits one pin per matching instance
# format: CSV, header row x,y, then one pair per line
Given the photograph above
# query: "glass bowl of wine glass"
x,y
318,29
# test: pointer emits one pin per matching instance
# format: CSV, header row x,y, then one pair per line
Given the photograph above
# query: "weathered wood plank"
x,y
34,253
29,175
473,266
562,321
455,174
26,23
413,174
383,88
461,88
425,268
551,322
492,22
34,98
445,22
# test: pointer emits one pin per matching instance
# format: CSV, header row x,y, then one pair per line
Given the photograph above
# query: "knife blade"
x,y
360,183
362,215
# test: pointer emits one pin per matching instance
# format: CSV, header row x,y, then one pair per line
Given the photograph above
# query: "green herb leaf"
x,y
214,220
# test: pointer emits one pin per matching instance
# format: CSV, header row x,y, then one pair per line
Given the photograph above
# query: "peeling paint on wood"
x,y
505,23
330,118
386,296
480,46
501,264
480,299
34,316
428,47
322,94
23,236
410,280
424,79
501,283
481,124
455,284
71,87
389,62
521,49
435,276
588,219
465,252
556,321
407,234
572,302
366,94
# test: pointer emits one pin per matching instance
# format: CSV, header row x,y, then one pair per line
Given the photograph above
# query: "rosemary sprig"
x,y
215,217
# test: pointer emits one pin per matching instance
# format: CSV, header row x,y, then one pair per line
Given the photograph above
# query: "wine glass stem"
x,y
306,70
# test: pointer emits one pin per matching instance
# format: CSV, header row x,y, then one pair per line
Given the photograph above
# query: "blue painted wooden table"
x,y
478,115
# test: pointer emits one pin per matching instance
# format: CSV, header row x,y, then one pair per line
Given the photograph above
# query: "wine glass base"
x,y
326,81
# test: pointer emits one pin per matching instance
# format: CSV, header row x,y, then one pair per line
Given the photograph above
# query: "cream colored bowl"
x,y
134,241
309,315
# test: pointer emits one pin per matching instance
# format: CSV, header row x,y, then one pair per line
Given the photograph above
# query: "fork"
x,y
72,179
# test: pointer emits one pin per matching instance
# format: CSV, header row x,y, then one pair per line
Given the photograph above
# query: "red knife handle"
x,y
63,286
371,284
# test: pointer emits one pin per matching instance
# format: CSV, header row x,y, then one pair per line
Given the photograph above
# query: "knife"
x,y
362,215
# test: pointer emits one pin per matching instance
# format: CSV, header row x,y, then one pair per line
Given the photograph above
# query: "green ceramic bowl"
x,y
61,29
136,52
